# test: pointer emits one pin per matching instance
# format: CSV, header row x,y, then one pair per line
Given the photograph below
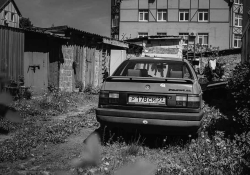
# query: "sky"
x,y
87,15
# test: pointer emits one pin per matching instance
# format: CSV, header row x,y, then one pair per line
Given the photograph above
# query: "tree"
x,y
25,23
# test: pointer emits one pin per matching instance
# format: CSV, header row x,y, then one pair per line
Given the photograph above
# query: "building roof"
x,y
154,37
4,3
66,30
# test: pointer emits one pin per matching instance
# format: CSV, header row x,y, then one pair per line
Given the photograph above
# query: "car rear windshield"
x,y
154,68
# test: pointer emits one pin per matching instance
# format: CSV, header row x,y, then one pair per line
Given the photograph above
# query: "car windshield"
x,y
154,68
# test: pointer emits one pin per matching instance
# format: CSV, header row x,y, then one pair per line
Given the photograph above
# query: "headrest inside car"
x,y
175,74
144,72
134,73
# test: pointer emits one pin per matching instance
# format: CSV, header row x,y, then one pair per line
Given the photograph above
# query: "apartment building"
x,y
213,22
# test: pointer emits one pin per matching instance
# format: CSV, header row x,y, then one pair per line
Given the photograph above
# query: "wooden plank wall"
x,y
11,52
10,9
91,64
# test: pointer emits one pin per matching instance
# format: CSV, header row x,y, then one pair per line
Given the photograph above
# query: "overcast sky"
x,y
88,15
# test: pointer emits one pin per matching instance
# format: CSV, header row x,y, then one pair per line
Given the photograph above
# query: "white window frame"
x,y
238,2
143,12
239,18
203,35
238,41
203,12
142,34
184,11
161,33
162,12
185,37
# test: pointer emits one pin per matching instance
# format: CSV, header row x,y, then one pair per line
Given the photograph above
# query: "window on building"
x,y
5,15
161,33
184,37
238,1
13,17
203,15
237,41
238,20
184,15
115,21
162,15
142,34
143,15
203,39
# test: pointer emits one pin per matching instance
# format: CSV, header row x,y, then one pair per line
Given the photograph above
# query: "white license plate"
x,y
147,100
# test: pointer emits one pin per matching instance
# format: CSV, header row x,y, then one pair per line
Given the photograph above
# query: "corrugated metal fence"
x,y
11,52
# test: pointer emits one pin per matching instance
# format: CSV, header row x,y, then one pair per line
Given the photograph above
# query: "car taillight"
x,y
181,100
114,98
107,97
194,101
104,97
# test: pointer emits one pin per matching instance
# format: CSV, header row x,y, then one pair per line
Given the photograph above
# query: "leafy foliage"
x,y
239,86
90,89
79,84
217,74
25,23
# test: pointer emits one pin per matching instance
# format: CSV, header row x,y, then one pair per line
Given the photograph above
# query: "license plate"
x,y
146,100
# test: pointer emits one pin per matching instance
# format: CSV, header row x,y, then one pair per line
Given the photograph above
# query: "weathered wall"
x,y
91,63
36,77
53,78
218,33
11,52
11,10
246,32
66,71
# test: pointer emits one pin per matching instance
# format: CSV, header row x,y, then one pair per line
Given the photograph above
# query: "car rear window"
x,y
154,68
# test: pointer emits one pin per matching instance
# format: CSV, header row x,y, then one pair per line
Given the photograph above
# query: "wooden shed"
x,y
61,56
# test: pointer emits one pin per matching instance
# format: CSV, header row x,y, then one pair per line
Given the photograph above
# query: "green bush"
x,y
239,86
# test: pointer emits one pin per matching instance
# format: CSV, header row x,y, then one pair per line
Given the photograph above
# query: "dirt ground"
x,y
51,158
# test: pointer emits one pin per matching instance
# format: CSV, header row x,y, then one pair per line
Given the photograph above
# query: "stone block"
x,y
65,79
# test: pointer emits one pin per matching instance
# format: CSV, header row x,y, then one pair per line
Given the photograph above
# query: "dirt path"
x,y
52,158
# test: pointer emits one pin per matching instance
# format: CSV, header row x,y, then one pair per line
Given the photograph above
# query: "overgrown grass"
x,y
39,126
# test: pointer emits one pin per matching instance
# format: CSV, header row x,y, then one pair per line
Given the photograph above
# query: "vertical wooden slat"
x,y
11,52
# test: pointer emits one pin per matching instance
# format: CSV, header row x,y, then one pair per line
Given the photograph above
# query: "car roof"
x,y
157,58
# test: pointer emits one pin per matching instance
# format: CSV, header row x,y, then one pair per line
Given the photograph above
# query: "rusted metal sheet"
x,y
11,52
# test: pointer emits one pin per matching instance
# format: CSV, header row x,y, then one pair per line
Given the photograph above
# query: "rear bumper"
x,y
145,120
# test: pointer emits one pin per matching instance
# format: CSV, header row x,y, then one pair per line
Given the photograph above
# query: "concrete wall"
x,y
66,71
218,32
217,28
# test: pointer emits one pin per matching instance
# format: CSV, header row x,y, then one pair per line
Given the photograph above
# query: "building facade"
x,y
245,56
9,13
213,22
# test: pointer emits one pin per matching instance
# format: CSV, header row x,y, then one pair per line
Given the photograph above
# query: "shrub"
x,y
239,86
217,75
79,84
90,89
